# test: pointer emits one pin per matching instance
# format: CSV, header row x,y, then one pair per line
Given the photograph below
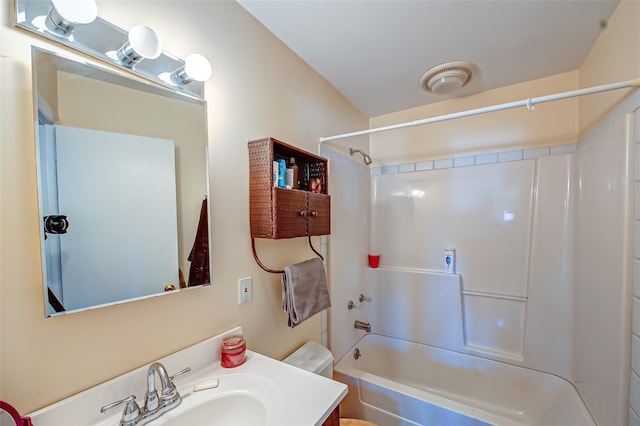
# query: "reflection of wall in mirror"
x,y
48,89
138,113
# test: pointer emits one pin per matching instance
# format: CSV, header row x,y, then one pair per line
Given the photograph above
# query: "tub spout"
x,y
363,326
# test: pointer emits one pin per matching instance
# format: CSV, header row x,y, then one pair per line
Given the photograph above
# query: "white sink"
x,y
239,399
231,409
262,391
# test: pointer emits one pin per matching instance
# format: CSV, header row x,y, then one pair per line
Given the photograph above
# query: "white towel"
x,y
304,290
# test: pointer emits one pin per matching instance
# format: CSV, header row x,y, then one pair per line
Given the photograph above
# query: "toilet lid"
x,y
311,356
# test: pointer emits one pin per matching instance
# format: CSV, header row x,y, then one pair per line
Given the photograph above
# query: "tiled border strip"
x,y
474,160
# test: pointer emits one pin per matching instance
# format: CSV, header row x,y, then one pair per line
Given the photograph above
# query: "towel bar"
x,y
277,271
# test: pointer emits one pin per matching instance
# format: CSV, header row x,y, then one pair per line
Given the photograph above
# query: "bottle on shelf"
x,y
292,175
282,173
276,173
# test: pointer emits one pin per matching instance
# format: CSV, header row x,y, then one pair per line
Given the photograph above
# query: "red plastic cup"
x,y
374,260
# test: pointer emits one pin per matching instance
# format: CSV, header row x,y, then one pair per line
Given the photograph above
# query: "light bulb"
x,y
196,68
66,14
143,43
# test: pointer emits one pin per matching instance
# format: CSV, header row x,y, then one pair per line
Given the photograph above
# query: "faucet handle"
x,y
180,373
131,409
364,298
170,392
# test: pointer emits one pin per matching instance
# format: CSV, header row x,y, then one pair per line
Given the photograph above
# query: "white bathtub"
x,y
396,382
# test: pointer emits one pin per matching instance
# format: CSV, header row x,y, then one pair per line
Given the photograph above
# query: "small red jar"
x,y
232,351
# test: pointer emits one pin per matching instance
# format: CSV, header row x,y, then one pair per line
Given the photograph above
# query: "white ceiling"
x,y
375,51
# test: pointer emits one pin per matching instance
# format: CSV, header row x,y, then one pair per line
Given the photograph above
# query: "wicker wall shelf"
x,y
286,213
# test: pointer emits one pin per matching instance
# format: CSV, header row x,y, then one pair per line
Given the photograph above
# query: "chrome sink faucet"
x,y
169,396
155,405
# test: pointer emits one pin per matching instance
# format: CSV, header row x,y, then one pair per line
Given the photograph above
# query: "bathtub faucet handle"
x,y
364,298
352,305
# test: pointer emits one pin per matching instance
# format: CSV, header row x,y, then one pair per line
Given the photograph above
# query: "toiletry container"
x,y
292,174
313,357
232,351
282,173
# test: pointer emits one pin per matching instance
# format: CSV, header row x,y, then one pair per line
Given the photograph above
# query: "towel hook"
x,y
277,271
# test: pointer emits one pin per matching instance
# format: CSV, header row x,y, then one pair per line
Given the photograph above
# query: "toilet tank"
x,y
313,357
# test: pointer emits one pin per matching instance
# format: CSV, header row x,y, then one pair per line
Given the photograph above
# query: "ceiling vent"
x,y
447,78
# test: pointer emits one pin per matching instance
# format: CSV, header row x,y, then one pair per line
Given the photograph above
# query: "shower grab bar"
x,y
277,271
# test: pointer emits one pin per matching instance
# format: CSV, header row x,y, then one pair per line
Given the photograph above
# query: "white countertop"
x,y
300,397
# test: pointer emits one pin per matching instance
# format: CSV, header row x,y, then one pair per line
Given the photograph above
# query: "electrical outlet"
x,y
244,290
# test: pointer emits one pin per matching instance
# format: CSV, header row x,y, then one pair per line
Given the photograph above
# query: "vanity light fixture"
x,y
64,15
76,25
143,43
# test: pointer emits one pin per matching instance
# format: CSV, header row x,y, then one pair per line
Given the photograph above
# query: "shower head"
x,y
365,157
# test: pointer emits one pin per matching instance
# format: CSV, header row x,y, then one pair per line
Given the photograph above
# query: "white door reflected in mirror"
x,y
133,241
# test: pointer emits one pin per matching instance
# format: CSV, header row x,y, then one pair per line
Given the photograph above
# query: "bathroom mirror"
x,y
122,186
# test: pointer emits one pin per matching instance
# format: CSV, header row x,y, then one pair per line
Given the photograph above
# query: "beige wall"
x,y
614,57
259,88
496,131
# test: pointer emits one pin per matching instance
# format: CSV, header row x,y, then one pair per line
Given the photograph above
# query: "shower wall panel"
x,y
634,395
417,306
550,293
602,256
509,222
347,246
484,212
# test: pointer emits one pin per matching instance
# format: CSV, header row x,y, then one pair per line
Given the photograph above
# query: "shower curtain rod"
x,y
529,103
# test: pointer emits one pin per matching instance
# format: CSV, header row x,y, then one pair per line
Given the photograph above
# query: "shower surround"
x,y
543,241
